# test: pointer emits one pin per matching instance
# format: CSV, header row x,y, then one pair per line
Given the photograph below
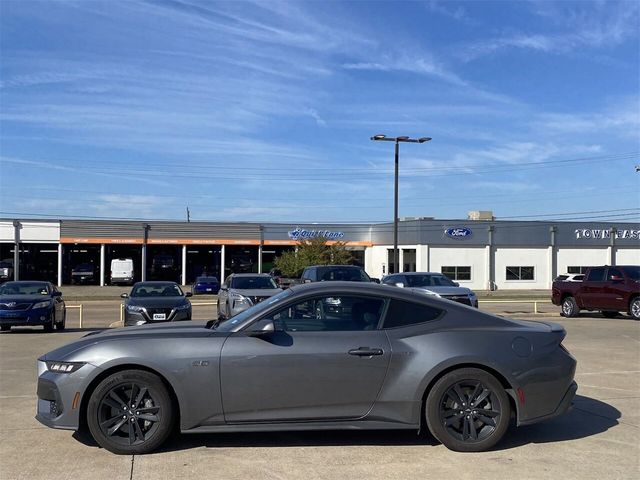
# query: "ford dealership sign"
x,y
458,233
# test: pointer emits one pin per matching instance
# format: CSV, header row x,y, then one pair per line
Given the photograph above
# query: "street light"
x,y
397,140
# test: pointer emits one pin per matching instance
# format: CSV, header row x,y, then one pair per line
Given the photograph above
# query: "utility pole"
x,y
188,215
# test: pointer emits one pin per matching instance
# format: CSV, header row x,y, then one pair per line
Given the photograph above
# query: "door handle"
x,y
365,351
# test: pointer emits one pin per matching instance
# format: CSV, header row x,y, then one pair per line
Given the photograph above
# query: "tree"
x,y
313,251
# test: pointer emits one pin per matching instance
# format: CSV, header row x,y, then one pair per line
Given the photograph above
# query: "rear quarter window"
x,y
402,313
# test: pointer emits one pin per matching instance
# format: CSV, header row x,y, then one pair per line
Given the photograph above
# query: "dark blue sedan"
x,y
205,285
29,303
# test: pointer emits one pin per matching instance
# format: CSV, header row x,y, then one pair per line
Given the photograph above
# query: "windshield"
x,y
429,281
156,290
84,267
231,324
632,272
206,280
30,288
253,283
348,274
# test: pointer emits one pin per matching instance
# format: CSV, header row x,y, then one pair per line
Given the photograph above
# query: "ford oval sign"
x,y
458,233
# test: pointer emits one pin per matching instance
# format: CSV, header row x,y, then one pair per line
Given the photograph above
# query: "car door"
x,y
615,290
326,360
592,288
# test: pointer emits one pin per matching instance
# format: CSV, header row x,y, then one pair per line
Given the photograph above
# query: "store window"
x,y
575,269
408,259
520,273
457,273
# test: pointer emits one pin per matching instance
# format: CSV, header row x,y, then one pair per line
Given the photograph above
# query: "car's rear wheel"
x,y
634,308
610,313
468,410
130,412
570,307
5,328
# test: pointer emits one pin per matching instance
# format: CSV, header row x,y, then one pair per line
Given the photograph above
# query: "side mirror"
x,y
124,295
616,278
306,280
223,287
456,284
188,294
399,284
56,294
262,328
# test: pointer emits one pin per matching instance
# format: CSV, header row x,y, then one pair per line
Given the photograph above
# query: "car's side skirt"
x,y
299,426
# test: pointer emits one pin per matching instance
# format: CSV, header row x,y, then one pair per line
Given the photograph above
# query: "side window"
x,y
402,313
330,314
596,275
615,272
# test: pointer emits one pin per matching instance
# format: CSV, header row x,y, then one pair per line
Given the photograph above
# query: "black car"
x,y
82,273
29,303
154,302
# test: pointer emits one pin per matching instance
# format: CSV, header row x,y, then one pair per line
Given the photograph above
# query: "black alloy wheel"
x,y
468,410
130,412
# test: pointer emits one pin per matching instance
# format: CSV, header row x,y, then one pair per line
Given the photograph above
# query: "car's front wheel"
x,y
63,323
634,308
48,327
468,410
130,412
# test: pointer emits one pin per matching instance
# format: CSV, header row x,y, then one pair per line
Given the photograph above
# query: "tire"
x,y
634,308
452,394
63,323
570,307
48,327
609,313
5,328
129,431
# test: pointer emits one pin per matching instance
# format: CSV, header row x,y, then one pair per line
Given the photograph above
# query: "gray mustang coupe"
x,y
385,359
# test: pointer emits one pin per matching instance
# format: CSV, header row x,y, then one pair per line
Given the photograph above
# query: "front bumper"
x,y
31,316
143,318
56,392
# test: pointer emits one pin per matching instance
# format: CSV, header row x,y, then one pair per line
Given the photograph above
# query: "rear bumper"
x,y
565,405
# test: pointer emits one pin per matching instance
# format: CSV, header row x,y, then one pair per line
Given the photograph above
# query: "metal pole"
x,y
16,250
395,213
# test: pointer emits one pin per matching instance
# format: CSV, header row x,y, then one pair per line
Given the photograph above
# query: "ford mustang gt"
x,y
327,355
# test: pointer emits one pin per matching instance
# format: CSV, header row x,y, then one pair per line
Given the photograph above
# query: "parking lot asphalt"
x,y
598,439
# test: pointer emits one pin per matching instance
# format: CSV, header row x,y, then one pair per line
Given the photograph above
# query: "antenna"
x,y
188,214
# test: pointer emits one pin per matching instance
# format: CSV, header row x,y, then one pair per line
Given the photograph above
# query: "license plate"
x,y
208,289
159,316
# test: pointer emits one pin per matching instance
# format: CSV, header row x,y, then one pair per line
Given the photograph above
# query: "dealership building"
x,y
480,254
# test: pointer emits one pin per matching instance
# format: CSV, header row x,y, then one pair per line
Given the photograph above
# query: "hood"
x,y
444,290
256,292
174,330
157,302
24,298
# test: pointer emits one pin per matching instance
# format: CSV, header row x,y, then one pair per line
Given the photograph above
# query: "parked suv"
x,y
433,284
241,291
328,273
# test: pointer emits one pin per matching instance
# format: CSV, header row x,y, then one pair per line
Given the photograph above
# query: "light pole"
x,y
397,141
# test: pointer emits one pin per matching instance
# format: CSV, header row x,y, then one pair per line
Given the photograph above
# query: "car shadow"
x,y
587,418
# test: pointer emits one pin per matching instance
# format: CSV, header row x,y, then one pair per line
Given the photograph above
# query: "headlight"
x,y
64,367
134,308
239,300
42,304
186,306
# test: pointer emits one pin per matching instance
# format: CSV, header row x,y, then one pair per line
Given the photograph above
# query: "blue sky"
x,y
262,111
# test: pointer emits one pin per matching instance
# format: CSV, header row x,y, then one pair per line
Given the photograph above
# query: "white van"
x,y
122,271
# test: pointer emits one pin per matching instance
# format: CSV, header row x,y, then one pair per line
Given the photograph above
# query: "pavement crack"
x,y
133,459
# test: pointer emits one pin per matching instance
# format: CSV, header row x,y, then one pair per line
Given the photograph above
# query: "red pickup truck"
x,y
609,289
